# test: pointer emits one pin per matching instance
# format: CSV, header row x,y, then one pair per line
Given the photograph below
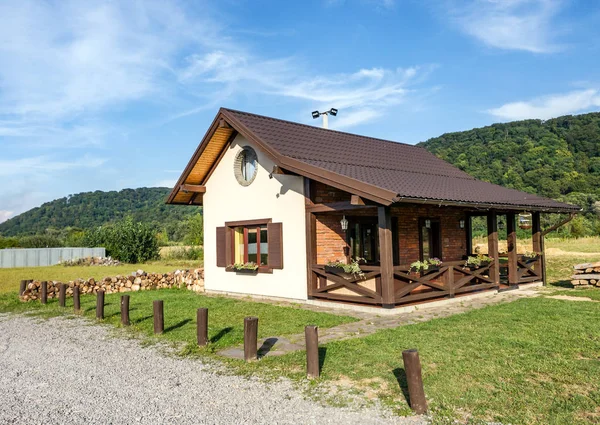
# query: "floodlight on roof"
x,y
325,115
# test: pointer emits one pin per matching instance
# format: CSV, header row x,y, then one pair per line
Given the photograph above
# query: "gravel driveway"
x,y
67,371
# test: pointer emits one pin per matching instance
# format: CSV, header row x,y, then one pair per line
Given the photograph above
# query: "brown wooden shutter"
x,y
275,239
222,247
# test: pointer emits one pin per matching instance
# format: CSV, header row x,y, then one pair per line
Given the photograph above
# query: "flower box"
x,y
246,271
338,271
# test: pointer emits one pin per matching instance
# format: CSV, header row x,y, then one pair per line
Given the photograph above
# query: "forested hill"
x,y
558,158
92,209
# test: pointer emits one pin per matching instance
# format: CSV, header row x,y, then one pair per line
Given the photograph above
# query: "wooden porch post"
x,y
386,257
511,239
536,236
311,239
492,228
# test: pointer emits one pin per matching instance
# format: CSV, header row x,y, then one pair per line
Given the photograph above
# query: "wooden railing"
x,y
450,279
447,281
362,289
528,270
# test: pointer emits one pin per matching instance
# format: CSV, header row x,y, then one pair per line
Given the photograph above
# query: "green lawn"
x,y
226,316
10,278
533,361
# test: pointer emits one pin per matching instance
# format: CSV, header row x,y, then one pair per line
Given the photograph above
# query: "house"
x,y
292,197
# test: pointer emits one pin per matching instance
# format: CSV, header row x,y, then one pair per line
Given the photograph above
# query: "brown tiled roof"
x,y
389,171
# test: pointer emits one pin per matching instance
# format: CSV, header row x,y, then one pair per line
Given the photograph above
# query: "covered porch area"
x,y
391,238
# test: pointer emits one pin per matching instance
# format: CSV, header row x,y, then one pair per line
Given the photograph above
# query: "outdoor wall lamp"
x,y
344,223
461,223
428,223
501,225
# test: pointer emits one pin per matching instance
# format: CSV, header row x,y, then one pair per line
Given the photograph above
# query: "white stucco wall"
x,y
281,199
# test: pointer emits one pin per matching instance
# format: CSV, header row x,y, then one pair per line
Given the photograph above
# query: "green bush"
x,y
8,242
126,240
40,241
184,253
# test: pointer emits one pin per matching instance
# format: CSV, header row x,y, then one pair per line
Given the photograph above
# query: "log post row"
x,y
250,338
62,295
202,323
125,310
76,300
100,305
23,287
311,335
44,293
159,318
414,379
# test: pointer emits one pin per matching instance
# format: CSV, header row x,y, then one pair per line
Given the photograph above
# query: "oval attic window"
x,y
245,166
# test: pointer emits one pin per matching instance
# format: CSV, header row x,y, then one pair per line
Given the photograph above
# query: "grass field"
x,y
533,361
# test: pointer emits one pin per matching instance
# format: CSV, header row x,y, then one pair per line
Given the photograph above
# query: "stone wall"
x,y
331,237
192,280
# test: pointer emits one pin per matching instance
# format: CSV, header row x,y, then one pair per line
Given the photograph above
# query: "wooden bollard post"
x,y
100,304
311,336
44,292
159,319
62,295
76,300
23,287
125,310
416,392
202,321
250,338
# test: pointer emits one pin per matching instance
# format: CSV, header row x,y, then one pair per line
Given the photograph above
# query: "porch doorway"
x,y
430,238
362,238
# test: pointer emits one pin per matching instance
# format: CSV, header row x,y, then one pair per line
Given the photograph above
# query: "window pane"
x,y
239,245
252,246
426,245
264,246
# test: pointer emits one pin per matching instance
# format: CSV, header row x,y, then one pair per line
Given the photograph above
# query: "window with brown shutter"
x,y
222,247
251,241
275,238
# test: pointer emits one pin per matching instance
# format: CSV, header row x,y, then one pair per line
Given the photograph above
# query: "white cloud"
x,y
166,183
549,106
42,164
527,25
5,215
363,95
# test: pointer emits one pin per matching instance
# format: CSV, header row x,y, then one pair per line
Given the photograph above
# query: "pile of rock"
x,y
92,261
586,274
192,280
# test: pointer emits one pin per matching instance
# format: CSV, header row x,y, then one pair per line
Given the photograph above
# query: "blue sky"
x,y
108,95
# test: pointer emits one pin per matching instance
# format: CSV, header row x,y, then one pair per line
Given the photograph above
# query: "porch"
x,y
393,237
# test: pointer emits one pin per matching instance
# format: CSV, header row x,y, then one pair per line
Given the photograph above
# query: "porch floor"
x,y
373,320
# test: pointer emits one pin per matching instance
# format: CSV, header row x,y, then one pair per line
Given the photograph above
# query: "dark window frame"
x,y
373,220
246,225
433,246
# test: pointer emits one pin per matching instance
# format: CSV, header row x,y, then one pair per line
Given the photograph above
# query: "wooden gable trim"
x,y
188,169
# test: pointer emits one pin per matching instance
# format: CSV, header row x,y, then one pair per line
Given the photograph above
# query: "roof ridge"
x,y
325,129
466,177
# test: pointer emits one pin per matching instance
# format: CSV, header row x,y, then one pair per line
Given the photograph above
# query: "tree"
x,y
194,230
